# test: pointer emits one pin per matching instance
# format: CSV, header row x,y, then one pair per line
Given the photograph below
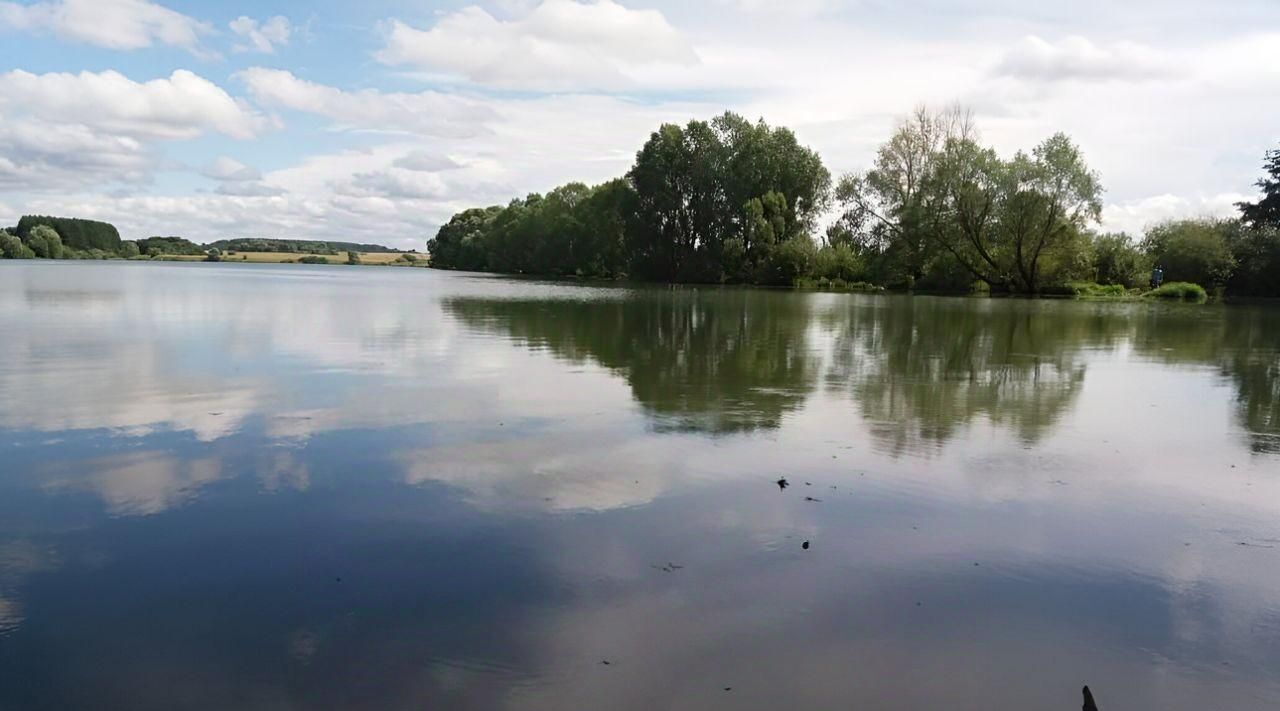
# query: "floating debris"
x,y
810,498
805,545
728,688
783,483
605,662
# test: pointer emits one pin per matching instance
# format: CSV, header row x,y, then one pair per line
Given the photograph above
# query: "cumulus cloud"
x,y
230,169
262,37
427,113
1077,58
427,162
1135,216
114,24
397,184
184,105
559,45
67,131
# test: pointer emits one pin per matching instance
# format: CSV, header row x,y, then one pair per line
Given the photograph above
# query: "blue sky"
x,y
376,120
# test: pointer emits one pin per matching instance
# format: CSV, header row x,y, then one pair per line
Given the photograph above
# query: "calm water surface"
x,y
263,487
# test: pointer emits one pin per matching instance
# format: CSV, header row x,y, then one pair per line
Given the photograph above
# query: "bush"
x,y
1179,290
1117,260
45,242
313,259
213,255
12,248
129,250
1192,250
353,257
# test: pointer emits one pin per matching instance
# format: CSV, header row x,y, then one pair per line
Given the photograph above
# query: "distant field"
x,y
286,257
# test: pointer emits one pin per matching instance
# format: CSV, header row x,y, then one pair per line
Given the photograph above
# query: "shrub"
x,y
1179,290
353,257
12,248
1192,250
313,259
129,250
213,255
45,242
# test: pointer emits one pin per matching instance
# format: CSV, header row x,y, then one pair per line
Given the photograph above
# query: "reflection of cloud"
x,y
142,483
557,472
10,616
283,470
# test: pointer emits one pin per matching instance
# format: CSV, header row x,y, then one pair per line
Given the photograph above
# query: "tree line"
x,y
45,237
732,201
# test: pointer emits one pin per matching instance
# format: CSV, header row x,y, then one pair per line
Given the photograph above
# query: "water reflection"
x,y
228,486
705,361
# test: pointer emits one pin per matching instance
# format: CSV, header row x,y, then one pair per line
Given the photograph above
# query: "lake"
x,y
285,487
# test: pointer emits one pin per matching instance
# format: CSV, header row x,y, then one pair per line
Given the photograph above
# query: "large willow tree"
x,y
936,192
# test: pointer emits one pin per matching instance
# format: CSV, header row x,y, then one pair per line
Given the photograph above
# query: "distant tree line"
x,y
256,244
44,237
731,201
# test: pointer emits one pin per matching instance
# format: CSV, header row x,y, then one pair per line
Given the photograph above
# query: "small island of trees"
x,y
731,201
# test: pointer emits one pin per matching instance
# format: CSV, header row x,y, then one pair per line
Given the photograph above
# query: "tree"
x,y
11,247
44,242
213,255
1011,222
129,249
353,257
1192,250
706,192
893,209
1266,211
1117,260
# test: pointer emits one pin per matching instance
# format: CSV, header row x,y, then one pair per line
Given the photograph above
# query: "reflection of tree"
x,y
922,368
715,361
1243,342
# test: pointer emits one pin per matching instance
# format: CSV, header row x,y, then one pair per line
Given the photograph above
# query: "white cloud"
x,y
793,8
262,37
426,113
1078,58
114,24
184,105
559,45
427,162
230,169
397,184
63,132
1135,216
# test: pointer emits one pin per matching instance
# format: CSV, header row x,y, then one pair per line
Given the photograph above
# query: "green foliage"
x,y
1117,260
1015,224
255,244
313,259
700,187
11,247
1265,213
44,241
213,255
74,233
709,202
353,257
1179,290
1192,250
1256,252
156,246
129,249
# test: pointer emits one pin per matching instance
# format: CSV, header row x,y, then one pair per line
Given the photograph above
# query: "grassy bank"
x,y
367,258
